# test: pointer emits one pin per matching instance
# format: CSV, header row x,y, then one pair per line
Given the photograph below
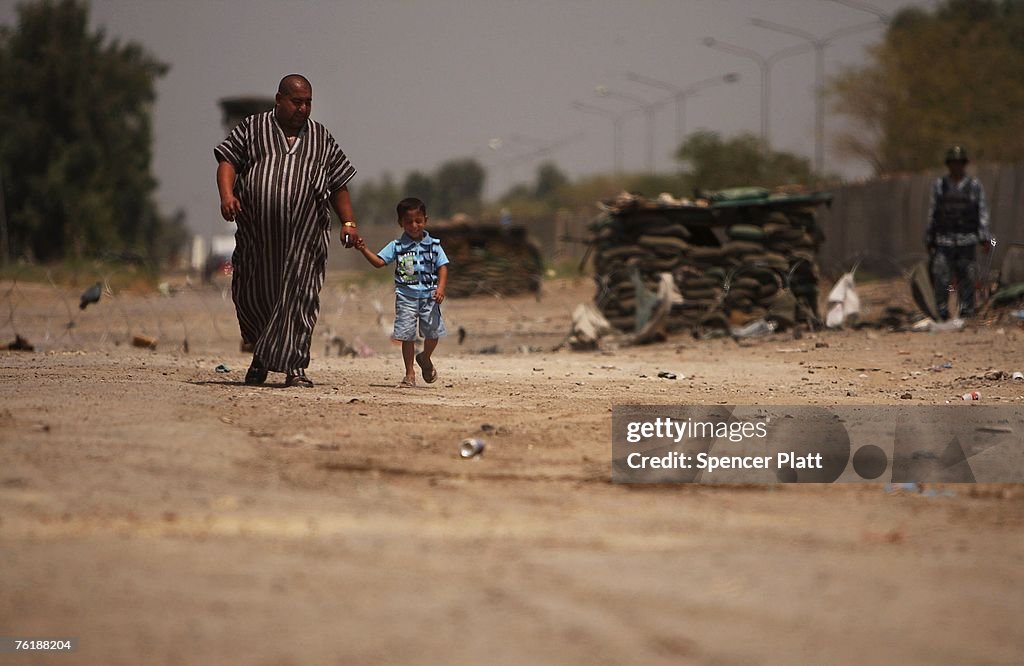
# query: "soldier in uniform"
x,y
957,223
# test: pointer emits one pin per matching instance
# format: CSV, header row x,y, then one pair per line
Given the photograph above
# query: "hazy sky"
x,y
407,84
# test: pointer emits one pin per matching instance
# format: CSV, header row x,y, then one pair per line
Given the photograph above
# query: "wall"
x,y
881,222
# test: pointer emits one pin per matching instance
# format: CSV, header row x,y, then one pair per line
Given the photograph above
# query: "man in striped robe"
x,y
278,175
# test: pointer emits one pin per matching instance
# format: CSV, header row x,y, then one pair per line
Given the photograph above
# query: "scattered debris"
x,y
843,302
995,429
755,329
297,440
949,325
222,368
971,395
930,325
653,322
667,375
906,396
902,488
471,447
144,341
588,327
340,347
90,296
893,536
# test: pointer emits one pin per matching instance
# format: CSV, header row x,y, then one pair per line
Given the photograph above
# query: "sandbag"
x,y
746,232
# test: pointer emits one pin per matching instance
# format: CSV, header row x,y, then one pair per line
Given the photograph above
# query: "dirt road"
x,y
162,512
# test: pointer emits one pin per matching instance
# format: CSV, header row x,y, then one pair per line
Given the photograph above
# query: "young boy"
x,y
421,273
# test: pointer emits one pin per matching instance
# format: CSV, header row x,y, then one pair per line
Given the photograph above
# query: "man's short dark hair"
x,y
408,204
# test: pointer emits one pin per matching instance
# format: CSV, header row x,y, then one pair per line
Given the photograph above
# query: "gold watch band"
x,y
350,223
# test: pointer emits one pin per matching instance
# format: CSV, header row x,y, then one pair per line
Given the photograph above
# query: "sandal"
x,y
298,378
405,383
429,371
256,374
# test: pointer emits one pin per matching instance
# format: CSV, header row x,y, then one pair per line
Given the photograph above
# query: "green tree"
x,y
952,75
421,186
546,195
458,187
550,179
711,163
76,148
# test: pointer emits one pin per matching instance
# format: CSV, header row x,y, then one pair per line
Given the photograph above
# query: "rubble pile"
x,y
733,260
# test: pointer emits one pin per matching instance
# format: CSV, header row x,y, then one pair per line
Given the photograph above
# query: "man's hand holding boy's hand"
x,y
354,239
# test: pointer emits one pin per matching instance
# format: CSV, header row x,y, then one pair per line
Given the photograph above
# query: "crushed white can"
x,y
471,447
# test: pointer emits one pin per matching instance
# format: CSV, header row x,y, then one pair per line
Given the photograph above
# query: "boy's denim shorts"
x,y
425,311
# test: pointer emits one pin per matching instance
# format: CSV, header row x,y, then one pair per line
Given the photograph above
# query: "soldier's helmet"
x,y
956,154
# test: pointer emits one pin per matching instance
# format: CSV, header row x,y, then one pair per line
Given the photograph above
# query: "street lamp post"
x,y
867,7
536,149
616,130
765,64
818,44
681,94
541,149
641,105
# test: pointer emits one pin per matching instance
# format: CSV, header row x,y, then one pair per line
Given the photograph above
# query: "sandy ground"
x,y
161,512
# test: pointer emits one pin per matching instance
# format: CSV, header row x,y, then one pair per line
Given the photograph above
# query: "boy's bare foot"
x,y
408,382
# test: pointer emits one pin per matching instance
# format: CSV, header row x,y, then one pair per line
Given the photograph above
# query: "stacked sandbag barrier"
x,y
489,259
633,242
733,262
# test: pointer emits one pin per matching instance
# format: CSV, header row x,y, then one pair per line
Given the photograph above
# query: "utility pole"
x,y
765,64
818,44
641,105
616,130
